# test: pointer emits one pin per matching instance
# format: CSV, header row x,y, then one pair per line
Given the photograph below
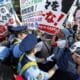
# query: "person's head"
x,y
18,31
77,16
28,44
6,72
77,36
75,52
3,33
63,33
75,28
68,25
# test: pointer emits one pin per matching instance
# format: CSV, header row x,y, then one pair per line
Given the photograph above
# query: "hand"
x,y
50,58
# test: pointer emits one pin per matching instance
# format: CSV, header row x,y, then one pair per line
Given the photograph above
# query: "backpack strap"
x,y
27,65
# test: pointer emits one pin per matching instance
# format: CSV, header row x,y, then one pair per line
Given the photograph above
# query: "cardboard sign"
x,y
52,12
31,10
7,15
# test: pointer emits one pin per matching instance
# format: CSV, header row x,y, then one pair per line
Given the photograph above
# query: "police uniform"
x,y
15,44
27,66
4,52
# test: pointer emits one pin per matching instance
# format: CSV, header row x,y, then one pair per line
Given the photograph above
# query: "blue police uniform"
x,y
4,52
68,34
15,46
32,72
16,51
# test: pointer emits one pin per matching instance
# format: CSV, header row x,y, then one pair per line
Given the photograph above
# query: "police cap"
x,y
16,29
28,43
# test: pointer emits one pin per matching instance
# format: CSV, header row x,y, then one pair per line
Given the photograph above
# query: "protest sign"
x,y
31,10
54,14
7,15
51,12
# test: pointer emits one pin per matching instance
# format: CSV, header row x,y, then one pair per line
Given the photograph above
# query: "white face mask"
x,y
61,43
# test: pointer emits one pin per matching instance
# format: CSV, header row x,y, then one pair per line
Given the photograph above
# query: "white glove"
x,y
50,58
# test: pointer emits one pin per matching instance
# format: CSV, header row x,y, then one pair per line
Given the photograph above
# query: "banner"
x,y
7,15
31,11
51,12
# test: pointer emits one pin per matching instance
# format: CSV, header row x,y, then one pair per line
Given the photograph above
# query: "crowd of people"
x,y
30,55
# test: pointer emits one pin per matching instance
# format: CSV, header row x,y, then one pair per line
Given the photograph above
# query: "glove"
x,y
50,58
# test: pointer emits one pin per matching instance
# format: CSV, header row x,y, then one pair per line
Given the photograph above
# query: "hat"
x,y
28,43
65,32
17,29
75,48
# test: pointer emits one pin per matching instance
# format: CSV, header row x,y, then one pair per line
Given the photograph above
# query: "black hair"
x,y
6,72
75,28
78,8
28,52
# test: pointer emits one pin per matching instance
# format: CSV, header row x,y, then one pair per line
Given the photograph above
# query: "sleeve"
x,y
36,74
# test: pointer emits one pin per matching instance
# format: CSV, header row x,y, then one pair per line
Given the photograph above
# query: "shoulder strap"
x,y
46,46
26,66
20,59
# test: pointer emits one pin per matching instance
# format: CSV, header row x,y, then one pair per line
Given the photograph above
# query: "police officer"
x,y
27,66
16,35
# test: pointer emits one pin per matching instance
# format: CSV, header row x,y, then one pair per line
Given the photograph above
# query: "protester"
x,y
75,53
77,22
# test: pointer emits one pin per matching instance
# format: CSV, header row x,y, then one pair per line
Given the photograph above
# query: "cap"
x,y
75,48
28,43
17,29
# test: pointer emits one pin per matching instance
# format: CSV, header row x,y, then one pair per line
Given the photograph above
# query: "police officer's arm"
x,y
36,73
52,71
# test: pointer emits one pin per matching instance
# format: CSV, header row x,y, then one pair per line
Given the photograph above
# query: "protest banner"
x,y
54,14
7,17
51,12
7,13
31,9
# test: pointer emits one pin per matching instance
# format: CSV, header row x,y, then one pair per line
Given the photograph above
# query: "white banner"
x,y
31,9
7,13
51,12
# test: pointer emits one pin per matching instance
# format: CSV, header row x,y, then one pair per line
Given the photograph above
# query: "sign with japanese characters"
x,y
31,11
51,12
6,13
54,15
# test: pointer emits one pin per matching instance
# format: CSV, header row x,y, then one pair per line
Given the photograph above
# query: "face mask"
x,y
61,43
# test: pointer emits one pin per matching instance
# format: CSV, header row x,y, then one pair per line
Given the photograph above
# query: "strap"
x,y
46,46
21,57
16,41
26,66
